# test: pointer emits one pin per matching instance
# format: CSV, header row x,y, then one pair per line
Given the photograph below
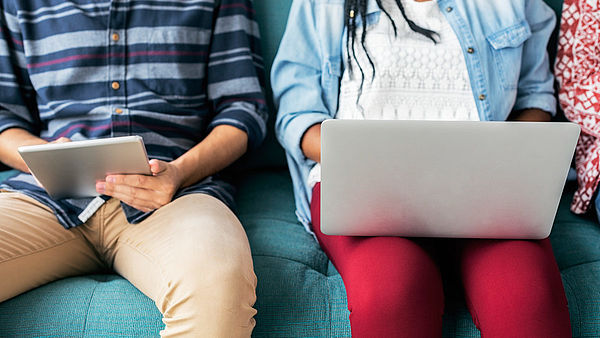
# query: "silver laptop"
x,y
443,179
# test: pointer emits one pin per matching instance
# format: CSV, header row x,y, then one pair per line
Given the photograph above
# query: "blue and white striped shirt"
x,y
88,69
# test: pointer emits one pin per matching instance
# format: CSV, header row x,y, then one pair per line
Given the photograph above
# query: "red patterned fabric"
x,y
578,74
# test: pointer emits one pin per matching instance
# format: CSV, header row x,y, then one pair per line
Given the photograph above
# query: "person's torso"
x,y
411,77
116,68
491,34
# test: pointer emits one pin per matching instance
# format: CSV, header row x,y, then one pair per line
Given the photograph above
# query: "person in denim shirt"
x,y
394,287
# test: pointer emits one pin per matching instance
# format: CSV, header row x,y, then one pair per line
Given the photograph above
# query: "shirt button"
x,y
115,37
119,111
482,97
115,85
449,9
470,50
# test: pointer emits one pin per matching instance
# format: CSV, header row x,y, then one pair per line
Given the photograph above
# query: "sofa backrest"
x,y
271,16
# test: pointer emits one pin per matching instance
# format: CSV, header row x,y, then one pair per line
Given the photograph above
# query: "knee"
x,y
220,292
216,302
219,275
400,297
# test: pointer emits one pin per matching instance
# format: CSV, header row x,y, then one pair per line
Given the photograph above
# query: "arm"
x,y
10,140
296,78
530,115
219,149
577,74
536,83
234,88
18,109
311,143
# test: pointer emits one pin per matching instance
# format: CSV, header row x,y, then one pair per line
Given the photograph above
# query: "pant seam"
x,y
164,288
38,251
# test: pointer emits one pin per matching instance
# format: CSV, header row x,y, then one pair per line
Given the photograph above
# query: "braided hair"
x,y
355,8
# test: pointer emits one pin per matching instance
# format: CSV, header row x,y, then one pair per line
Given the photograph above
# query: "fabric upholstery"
x,y
300,293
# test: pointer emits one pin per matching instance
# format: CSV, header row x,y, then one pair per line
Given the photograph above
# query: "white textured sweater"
x,y
415,79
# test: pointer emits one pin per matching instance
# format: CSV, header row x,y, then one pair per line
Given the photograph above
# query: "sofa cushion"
x,y
95,305
575,239
266,209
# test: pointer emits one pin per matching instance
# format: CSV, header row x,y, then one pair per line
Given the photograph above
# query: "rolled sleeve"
x,y
295,127
236,71
536,82
8,120
543,101
243,116
18,108
296,79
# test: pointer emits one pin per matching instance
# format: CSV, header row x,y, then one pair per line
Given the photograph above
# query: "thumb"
x,y
157,166
62,140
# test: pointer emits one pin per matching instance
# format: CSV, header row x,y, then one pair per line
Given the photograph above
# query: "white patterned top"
x,y
415,79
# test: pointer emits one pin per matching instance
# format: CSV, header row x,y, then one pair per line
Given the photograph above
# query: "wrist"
x,y
181,173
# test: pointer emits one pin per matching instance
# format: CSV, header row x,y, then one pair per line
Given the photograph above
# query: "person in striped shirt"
x,y
188,78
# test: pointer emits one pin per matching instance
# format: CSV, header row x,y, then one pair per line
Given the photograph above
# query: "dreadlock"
x,y
355,8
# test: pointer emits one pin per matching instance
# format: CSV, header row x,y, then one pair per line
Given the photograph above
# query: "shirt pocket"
x,y
507,52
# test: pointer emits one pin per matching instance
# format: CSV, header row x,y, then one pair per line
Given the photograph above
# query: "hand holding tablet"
x,y
71,169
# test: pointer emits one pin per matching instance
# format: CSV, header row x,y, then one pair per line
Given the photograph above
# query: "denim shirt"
x,y
503,41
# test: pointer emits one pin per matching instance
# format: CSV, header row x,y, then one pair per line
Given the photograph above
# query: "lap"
x,y
34,247
195,236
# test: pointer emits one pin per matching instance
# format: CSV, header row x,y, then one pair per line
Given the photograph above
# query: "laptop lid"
x,y
443,179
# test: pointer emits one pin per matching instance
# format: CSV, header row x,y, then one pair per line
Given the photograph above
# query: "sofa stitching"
x,y
575,306
330,311
90,305
291,260
578,264
271,219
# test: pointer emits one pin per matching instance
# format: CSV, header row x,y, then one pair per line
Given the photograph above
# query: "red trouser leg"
x,y
513,288
393,286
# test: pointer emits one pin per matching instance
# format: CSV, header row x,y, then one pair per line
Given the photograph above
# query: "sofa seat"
x,y
300,294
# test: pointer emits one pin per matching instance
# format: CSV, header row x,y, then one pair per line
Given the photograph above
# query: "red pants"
x,y
394,287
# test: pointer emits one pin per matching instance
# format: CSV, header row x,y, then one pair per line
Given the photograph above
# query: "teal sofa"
x,y
300,294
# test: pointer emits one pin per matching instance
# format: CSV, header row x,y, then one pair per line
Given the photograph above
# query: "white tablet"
x,y
71,169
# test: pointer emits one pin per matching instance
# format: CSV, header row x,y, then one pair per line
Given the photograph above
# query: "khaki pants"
x,y
191,257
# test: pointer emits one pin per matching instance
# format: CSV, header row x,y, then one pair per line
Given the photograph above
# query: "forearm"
x,y
10,141
311,143
219,149
530,115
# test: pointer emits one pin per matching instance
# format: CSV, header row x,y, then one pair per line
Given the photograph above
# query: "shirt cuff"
x,y
545,102
246,118
295,130
12,122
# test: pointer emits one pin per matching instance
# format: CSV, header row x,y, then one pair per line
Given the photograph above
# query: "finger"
x,y
62,140
141,199
157,166
138,181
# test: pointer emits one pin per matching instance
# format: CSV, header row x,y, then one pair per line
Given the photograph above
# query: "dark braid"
x,y
428,33
356,8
